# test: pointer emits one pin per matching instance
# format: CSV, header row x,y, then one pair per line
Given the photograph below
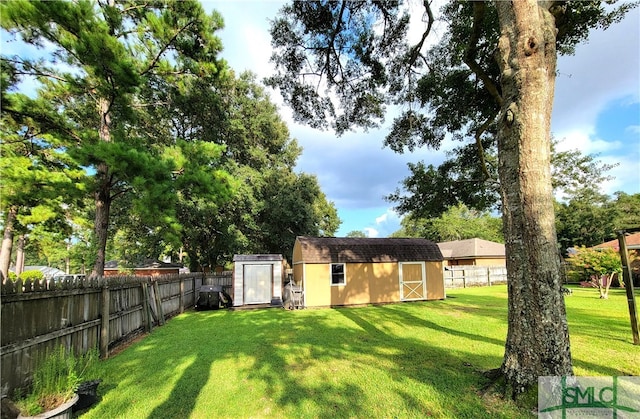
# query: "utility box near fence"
x,y
257,279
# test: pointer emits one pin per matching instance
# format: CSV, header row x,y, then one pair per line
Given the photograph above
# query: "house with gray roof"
x,y
473,252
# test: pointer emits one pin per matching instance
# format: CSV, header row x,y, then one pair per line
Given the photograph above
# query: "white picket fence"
x,y
463,276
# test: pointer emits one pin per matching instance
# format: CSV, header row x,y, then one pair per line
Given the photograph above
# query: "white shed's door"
x,y
257,284
413,281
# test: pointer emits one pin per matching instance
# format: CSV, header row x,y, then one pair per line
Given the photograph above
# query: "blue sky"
x,y
596,110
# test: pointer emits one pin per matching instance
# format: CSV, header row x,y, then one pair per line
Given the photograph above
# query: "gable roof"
x,y
631,240
471,248
366,250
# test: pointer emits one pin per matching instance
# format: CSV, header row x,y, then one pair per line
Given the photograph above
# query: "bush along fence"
x,y
463,276
38,316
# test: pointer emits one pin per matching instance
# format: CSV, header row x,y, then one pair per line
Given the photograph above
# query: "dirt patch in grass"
x,y
125,344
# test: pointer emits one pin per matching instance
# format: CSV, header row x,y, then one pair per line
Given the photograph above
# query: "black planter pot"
x,y
87,391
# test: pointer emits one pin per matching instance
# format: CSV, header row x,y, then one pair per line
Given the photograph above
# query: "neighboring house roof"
x,y
631,240
255,258
471,248
364,250
149,264
47,271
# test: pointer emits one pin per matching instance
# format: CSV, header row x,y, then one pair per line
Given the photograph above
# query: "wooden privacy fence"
x,y
463,276
39,316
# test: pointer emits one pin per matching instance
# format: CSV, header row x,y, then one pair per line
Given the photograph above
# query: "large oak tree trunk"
x,y
538,337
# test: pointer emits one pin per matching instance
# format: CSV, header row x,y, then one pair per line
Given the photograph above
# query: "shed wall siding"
x,y
298,272
297,252
277,281
435,281
317,285
238,284
365,283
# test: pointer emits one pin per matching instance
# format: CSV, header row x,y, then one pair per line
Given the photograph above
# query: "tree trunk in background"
x,y
20,254
102,193
7,242
538,337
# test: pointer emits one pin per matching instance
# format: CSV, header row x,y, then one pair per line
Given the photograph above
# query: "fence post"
x,y
156,290
489,276
181,295
628,285
146,310
104,328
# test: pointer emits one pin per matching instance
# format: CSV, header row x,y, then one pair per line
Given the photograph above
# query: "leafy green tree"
x,y
624,209
356,233
590,218
491,76
457,223
39,178
258,152
583,221
294,206
113,53
598,266
429,191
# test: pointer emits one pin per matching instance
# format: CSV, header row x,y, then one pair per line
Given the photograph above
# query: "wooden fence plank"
x,y
89,313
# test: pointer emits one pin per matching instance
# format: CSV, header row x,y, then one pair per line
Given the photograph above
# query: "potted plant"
x,y
54,386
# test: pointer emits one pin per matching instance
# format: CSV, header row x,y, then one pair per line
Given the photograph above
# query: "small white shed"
x,y
257,279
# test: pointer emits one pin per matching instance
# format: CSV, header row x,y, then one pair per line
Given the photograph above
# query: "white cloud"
x,y
371,232
389,217
633,129
381,219
584,141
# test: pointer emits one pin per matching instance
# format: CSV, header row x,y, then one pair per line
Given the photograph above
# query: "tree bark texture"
x,y
102,193
7,242
538,337
20,254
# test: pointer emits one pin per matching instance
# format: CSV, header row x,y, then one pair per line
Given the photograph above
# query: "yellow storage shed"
x,y
337,271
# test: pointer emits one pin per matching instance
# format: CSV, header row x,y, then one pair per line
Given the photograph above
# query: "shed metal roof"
x,y
257,258
367,250
47,271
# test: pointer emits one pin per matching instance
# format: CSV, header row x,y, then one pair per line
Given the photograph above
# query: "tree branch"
x,y
330,47
31,70
165,47
481,129
470,55
415,50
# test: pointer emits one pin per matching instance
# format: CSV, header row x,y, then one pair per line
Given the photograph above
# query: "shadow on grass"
x,y
286,363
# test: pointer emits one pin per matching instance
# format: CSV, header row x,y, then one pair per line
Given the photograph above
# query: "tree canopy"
x,y
489,81
457,223
169,151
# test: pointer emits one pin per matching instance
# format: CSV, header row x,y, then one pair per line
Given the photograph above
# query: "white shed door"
x,y
257,284
413,281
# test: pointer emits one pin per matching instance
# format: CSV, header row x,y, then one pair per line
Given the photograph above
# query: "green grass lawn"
x,y
400,360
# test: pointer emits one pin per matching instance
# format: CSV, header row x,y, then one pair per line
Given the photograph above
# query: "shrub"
x,y
597,266
32,275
